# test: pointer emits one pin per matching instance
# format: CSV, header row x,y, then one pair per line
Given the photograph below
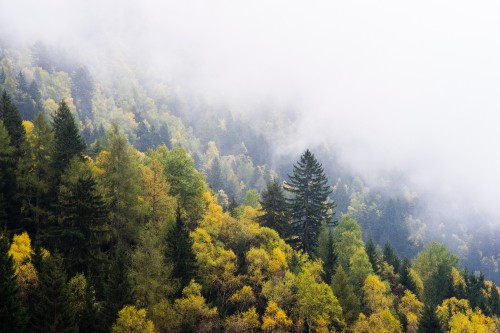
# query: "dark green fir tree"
x,y
52,310
68,142
309,205
373,255
345,294
429,322
12,314
275,210
179,250
391,257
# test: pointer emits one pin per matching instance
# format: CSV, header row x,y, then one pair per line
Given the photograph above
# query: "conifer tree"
x,y
330,258
13,122
214,175
82,226
68,142
405,278
344,292
275,210
391,257
373,255
179,249
429,322
309,206
52,311
494,301
12,314
6,174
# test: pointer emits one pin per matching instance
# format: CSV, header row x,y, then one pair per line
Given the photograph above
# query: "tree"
x,y
52,310
131,320
405,277
214,175
344,292
391,257
120,176
68,142
7,180
411,308
429,322
309,206
373,255
15,129
13,122
12,314
275,319
82,226
35,173
83,91
275,210
179,249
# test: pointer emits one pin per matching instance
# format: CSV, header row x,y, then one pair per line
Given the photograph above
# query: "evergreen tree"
x,y
13,122
36,97
344,292
83,91
7,179
12,314
309,206
179,249
330,260
275,210
373,255
232,207
429,322
214,175
52,310
494,301
117,290
82,226
68,142
391,257
405,278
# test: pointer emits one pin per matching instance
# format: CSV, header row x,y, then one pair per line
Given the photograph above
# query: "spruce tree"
x,y
82,224
330,260
309,205
7,179
429,322
344,292
179,249
12,314
13,122
373,255
275,210
68,142
405,278
494,301
214,175
391,257
52,311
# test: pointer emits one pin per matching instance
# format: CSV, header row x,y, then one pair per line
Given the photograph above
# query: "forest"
x,y
128,207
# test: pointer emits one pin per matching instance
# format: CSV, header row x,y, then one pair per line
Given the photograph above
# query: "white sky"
x,y
395,84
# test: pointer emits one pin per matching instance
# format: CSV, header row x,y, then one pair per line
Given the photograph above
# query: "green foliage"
x,y
82,227
35,175
309,207
179,251
13,123
391,257
68,143
12,314
52,311
186,184
344,292
7,179
275,210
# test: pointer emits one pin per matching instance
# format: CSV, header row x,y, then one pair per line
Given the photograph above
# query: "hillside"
x,y
130,202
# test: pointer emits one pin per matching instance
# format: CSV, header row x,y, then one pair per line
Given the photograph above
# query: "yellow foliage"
x,y
28,127
101,160
275,319
412,309
473,322
380,322
131,320
247,321
375,294
244,297
450,307
20,249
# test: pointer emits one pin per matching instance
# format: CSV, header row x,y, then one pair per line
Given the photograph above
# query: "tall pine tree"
x,y
52,311
68,142
309,205
6,174
12,314
275,210
179,249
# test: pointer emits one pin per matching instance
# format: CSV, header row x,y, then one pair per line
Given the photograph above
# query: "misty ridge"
x,y
397,102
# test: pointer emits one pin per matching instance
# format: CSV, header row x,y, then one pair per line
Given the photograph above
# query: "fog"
x,y
405,86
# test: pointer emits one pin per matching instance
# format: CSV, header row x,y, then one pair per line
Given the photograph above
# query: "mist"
x,y
409,87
